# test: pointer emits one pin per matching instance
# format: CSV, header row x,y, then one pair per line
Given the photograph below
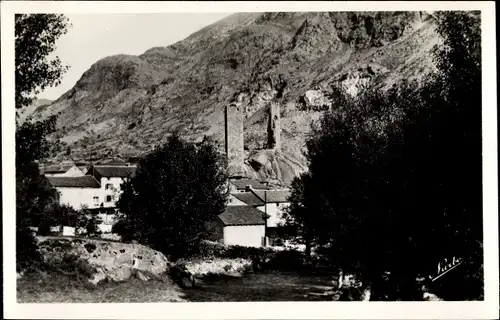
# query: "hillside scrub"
x,y
387,188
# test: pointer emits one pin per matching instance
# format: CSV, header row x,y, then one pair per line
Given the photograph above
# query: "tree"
x,y
386,170
88,220
297,216
33,193
35,38
175,191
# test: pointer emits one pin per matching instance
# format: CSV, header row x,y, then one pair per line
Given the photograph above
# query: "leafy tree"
x,y
33,193
175,191
35,38
395,178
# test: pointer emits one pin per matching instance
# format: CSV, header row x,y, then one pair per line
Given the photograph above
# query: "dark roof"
x,y
56,168
245,182
242,215
74,182
113,171
249,198
274,196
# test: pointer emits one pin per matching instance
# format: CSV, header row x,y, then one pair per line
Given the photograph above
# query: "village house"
x,y
110,179
98,189
78,192
238,225
270,202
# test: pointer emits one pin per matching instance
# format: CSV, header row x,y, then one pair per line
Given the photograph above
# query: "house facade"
x,y
110,179
99,189
78,192
241,225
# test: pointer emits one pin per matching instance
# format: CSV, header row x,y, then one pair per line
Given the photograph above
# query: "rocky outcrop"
x,y
104,260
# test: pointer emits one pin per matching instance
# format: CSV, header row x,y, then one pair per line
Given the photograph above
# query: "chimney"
x,y
233,123
273,127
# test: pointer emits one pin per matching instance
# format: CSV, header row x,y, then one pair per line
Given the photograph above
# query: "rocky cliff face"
x,y
125,104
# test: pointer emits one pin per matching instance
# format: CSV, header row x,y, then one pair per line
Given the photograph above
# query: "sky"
x,y
95,36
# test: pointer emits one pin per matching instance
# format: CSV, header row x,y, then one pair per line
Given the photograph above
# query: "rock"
x,y
316,100
112,260
122,273
428,296
142,276
98,276
19,275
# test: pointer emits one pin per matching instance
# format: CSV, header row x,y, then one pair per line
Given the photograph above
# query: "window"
x,y
108,198
96,200
109,186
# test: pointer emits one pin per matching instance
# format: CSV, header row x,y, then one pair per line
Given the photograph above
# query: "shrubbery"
x,y
263,258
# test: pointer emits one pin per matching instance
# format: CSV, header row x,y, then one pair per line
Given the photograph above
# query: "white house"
x,y
77,191
238,225
110,179
270,202
98,189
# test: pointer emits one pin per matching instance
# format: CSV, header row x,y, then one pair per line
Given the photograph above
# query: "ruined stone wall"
x,y
233,119
274,128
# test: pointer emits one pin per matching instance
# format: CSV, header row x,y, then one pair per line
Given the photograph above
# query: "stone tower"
x,y
273,127
233,134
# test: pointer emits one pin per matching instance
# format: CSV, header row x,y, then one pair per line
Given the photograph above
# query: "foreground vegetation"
x,y
395,178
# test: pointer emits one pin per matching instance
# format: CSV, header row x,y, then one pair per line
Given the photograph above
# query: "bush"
x,y
261,257
286,260
27,255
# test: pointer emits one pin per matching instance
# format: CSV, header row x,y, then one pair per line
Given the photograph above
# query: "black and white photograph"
x,y
249,152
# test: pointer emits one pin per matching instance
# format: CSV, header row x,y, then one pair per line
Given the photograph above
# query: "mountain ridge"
x,y
126,104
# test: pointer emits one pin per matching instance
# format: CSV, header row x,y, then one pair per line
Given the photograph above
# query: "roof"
x,y
245,182
56,168
242,215
249,198
274,196
74,182
113,171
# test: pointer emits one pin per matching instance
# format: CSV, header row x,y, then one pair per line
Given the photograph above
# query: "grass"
x,y
271,286
62,289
